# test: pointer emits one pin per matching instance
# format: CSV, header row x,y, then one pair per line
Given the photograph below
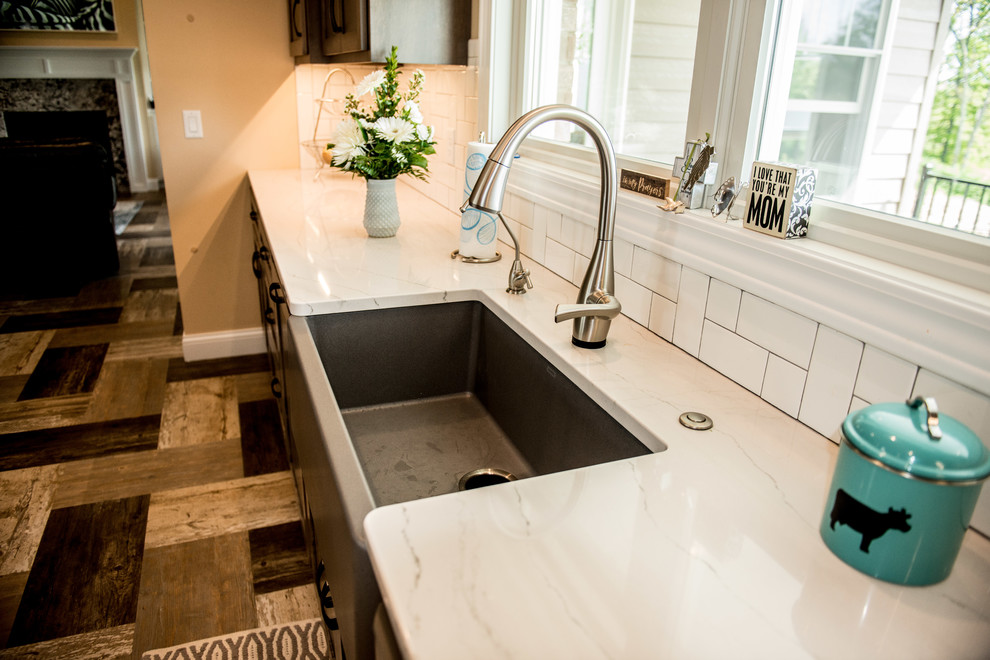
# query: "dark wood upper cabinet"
x,y
425,31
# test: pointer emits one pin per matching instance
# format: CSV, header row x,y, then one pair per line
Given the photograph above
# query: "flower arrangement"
x,y
390,138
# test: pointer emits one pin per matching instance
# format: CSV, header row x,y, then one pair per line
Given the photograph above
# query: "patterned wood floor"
x,y
144,501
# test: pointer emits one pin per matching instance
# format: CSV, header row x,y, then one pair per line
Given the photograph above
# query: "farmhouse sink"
x,y
391,405
431,393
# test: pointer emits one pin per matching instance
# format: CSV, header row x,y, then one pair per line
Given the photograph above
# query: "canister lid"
x,y
914,438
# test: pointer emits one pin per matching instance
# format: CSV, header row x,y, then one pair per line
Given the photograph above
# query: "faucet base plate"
x,y
580,343
456,254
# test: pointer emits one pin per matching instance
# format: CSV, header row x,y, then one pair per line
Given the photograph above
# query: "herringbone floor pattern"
x,y
144,501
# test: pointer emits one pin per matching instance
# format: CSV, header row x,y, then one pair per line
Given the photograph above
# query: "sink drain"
x,y
484,477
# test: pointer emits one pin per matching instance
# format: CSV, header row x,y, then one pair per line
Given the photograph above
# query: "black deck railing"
x,y
959,206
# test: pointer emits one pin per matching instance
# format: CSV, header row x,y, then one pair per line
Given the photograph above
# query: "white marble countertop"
x,y
707,549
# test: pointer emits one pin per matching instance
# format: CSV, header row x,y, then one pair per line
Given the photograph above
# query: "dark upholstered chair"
x,y
56,216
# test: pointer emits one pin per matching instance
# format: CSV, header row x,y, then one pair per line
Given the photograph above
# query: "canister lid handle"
x,y
929,403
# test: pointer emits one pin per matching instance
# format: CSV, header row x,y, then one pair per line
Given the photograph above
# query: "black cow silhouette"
x,y
847,510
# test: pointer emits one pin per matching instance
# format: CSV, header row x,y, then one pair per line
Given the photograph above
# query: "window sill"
x,y
929,321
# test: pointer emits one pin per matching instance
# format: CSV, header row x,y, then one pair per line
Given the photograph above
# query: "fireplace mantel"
x,y
18,62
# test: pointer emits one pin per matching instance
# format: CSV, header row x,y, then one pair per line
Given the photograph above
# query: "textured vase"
x,y
381,210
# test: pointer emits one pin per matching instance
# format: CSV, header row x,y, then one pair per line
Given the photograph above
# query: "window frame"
x,y
731,83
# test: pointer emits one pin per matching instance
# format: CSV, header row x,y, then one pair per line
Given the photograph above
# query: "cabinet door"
x,y
345,26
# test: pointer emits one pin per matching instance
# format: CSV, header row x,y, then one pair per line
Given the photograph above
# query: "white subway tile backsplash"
x,y
737,358
656,273
466,130
568,232
635,299
857,404
783,385
883,377
662,312
441,105
780,331
520,209
692,297
586,237
967,406
723,304
623,255
303,79
578,236
470,109
560,259
581,264
538,248
554,222
831,378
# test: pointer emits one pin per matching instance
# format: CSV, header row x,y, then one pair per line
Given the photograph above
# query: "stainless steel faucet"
x,y
596,304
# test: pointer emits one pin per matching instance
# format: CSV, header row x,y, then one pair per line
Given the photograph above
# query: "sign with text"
x,y
780,198
644,183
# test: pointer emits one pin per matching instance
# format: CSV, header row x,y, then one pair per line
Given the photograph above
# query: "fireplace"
x,y
64,81
87,109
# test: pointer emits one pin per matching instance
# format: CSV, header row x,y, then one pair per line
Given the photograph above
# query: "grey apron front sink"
x,y
391,405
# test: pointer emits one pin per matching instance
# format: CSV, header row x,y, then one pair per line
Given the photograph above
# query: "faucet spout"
x,y
596,303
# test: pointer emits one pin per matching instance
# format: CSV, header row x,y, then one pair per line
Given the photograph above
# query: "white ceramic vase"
x,y
381,210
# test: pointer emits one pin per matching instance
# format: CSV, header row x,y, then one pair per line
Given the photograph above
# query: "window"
x,y
822,92
628,63
846,85
868,92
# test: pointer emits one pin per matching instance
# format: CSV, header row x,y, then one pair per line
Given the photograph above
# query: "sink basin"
x,y
391,405
430,393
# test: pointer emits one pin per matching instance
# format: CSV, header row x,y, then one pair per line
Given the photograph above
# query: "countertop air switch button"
x,y
696,421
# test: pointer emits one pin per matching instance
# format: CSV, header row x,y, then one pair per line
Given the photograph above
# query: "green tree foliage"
x,y
959,130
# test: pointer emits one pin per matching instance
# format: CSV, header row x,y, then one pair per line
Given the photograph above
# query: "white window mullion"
x,y
886,38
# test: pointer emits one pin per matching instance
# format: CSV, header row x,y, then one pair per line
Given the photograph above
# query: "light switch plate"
x,y
192,123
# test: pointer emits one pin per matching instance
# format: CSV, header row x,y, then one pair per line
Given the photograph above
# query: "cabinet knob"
x,y
276,388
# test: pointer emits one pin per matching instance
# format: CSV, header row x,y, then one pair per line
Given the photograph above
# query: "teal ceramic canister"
x,y
903,492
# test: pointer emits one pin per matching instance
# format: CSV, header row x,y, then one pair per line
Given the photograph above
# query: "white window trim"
x,y
885,286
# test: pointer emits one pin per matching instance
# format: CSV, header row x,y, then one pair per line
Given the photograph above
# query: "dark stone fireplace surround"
x,y
58,66
58,97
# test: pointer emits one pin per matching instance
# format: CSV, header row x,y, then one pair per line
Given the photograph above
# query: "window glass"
x,y
884,98
628,63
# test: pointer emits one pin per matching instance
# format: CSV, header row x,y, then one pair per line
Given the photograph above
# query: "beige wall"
x,y
230,60
126,36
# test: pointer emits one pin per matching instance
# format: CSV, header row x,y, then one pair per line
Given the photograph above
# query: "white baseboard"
x,y
230,343
149,185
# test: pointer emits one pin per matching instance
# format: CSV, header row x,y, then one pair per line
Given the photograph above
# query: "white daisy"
x,y
348,142
371,82
415,116
394,129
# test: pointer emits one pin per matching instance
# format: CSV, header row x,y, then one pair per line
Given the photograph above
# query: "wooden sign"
x,y
644,184
780,199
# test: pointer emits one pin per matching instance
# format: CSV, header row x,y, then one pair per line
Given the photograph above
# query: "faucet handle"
x,y
518,277
605,306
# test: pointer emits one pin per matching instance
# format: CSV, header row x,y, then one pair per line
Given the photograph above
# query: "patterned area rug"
x,y
123,213
299,640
